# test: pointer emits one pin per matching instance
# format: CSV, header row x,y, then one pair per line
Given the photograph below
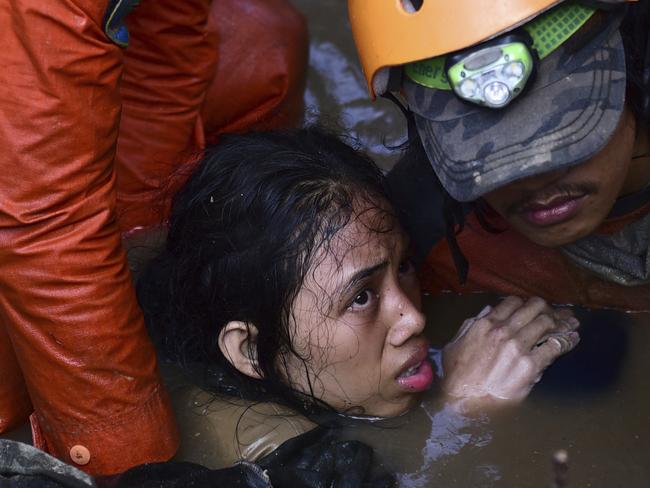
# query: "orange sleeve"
x,y
503,262
508,264
67,300
437,273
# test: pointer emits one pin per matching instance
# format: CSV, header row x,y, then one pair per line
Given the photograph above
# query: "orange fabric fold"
x,y
508,263
238,65
67,300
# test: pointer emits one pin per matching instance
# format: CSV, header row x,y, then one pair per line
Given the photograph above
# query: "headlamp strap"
x,y
408,115
547,31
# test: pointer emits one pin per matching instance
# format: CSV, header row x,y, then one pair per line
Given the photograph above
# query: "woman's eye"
x,y
363,300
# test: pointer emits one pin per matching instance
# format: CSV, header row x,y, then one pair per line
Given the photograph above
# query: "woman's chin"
x,y
394,408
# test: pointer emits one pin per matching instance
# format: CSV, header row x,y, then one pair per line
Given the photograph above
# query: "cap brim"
x,y
567,115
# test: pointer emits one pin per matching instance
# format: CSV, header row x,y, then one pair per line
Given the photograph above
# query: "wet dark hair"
x,y
242,236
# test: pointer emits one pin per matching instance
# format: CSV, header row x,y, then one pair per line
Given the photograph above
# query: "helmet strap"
x,y
452,210
408,115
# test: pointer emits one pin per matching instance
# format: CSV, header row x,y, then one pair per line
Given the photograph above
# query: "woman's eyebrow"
x,y
361,275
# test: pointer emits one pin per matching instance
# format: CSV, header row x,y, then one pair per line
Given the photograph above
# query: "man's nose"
x,y
406,322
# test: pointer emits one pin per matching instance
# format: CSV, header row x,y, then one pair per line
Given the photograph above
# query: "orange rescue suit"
x,y
507,263
89,134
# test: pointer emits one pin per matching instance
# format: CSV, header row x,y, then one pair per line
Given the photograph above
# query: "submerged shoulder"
x,y
217,431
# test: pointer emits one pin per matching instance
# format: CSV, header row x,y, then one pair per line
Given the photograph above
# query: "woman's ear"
x,y
238,344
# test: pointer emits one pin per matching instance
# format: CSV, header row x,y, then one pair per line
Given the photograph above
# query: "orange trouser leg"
x,y
66,296
15,404
167,67
234,65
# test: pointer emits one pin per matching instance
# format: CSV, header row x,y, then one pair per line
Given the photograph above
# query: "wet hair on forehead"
x,y
370,220
243,233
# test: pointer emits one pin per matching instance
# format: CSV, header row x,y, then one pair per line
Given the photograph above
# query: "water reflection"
x,y
336,93
450,432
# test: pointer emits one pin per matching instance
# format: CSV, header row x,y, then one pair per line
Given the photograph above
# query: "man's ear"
x,y
238,344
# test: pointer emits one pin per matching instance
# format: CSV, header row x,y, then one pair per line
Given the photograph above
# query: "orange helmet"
x,y
390,33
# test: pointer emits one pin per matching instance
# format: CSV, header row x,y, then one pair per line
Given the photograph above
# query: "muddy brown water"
x,y
594,402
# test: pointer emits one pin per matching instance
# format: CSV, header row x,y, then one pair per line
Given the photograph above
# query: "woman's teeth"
x,y
411,371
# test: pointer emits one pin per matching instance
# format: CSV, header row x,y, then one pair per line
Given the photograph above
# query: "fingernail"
x,y
484,312
572,339
556,341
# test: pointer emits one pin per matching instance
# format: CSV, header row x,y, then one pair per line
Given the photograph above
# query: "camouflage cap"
x,y
567,115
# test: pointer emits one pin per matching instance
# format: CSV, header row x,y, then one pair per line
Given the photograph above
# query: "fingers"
x,y
503,351
563,313
516,312
464,328
528,312
554,346
506,308
544,326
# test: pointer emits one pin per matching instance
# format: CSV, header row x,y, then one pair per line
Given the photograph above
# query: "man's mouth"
x,y
553,208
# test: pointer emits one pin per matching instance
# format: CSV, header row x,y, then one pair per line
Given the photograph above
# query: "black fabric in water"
x,y
313,460
317,459
187,475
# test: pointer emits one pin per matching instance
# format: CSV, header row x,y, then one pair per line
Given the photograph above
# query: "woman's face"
x,y
357,321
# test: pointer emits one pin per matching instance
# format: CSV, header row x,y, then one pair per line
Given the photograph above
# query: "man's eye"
x,y
363,300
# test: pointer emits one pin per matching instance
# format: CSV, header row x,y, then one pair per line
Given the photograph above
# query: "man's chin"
x,y
553,237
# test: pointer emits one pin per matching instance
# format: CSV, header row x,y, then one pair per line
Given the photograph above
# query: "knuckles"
x,y
537,302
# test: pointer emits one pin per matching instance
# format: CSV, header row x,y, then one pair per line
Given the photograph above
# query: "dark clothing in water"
x,y
315,459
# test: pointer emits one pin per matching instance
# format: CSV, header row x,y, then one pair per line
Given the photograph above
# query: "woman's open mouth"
x,y
555,210
418,375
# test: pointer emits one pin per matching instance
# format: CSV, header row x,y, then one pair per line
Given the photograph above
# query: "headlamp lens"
x,y
491,76
468,88
496,94
514,70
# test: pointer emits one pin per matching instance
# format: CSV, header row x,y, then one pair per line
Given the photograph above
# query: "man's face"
x,y
562,206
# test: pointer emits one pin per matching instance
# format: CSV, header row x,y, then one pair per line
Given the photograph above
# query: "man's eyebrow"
x,y
361,275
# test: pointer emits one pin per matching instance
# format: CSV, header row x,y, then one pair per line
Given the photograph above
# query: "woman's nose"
x,y
407,321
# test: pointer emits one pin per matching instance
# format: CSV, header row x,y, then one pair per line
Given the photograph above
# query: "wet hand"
x,y
502,352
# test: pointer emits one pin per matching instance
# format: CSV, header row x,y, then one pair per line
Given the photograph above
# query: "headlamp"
x,y
494,73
